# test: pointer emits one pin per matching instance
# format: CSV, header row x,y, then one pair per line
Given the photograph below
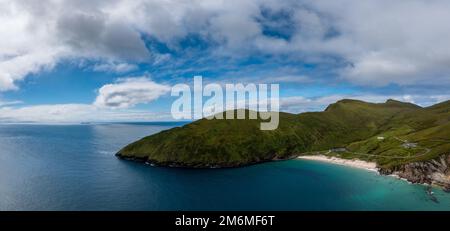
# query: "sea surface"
x,y
73,167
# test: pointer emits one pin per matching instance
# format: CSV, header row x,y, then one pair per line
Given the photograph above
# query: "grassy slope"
x,y
347,123
217,142
428,127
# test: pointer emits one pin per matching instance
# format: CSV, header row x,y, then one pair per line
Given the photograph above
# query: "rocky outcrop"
x,y
435,172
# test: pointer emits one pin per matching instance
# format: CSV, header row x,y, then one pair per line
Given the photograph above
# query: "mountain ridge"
x,y
393,134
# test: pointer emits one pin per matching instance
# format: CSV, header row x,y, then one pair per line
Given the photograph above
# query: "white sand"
x,y
371,166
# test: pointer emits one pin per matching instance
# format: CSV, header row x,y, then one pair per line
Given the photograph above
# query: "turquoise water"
x,y
72,167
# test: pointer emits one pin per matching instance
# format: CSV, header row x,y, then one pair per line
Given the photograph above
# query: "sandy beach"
x,y
371,166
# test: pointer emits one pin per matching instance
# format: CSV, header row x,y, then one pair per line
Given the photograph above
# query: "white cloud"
x,y
402,42
37,35
112,104
17,67
128,92
406,43
299,79
115,67
9,103
75,113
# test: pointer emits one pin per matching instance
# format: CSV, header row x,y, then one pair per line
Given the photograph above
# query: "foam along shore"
x,y
371,166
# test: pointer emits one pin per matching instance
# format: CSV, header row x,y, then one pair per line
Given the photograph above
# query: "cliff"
x,y
433,172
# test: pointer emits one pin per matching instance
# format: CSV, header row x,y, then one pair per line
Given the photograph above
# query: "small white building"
x,y
409,145
380,138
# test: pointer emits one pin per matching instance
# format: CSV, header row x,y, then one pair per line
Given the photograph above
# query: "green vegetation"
x,y
391,133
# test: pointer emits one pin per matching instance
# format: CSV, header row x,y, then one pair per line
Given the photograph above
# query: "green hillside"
x,y
390,133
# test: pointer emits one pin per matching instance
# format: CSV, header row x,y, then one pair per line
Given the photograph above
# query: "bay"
x,y
73,167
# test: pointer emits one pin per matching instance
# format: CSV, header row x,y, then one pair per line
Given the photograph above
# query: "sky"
x,y
95,60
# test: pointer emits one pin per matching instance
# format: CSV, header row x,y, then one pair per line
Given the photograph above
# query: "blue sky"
x,y
77,61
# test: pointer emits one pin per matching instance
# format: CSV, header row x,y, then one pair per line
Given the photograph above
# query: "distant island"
x,y
401,138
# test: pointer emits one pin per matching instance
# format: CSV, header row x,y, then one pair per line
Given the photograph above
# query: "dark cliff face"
x,y
435,172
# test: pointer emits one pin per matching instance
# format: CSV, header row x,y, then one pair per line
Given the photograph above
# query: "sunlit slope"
x,y
409,136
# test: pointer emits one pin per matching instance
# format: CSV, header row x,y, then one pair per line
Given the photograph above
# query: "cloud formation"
x,y
115,67
112,104
75,113
9,103
379,41
127,92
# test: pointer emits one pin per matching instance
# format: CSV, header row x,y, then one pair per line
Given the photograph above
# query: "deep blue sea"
x,y
73,167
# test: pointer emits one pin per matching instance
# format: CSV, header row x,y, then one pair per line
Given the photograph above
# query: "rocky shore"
x,y
201,165
432,172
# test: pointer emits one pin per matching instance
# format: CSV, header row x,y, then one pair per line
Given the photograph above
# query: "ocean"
x,y
73,167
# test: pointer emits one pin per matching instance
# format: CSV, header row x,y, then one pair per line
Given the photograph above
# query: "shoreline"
x,y
369,166
361,164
